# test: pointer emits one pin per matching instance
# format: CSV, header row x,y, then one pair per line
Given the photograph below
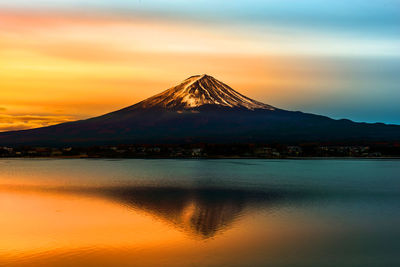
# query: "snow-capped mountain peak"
x,y
201,90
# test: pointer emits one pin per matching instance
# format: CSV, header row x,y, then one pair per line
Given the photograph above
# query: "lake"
x,y
133,212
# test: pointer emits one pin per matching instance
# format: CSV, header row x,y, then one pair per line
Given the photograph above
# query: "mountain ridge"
x,y
202,109
199,90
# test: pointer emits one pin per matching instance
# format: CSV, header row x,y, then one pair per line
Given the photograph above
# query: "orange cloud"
x,y
22,122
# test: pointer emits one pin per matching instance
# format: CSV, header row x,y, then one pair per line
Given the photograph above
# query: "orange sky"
x,y
65,67
56,67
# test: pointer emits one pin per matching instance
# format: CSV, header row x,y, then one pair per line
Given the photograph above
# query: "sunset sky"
x,y
63,60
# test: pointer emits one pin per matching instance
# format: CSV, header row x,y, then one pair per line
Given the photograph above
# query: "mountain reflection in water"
x,y
200,212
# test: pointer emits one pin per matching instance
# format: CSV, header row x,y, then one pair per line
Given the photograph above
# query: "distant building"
x,y
197,152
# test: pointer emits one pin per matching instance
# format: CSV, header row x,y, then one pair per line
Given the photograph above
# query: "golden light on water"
x,y
47,226
44,229
135,212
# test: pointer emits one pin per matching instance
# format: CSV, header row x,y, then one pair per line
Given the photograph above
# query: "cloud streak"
x,y
23,122
373,17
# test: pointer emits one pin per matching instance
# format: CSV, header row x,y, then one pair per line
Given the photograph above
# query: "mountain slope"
x,y
201,90
202,109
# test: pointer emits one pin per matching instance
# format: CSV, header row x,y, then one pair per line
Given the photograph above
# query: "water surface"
x,y
135,212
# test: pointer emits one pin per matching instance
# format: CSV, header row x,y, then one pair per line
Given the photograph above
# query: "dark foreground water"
x,y
199,212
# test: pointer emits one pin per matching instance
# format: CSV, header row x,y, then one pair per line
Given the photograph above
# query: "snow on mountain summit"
x,y
201,90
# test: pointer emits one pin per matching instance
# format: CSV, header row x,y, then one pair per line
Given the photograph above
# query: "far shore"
x,y
203,158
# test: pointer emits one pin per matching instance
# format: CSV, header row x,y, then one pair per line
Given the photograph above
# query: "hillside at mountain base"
x,y
202,109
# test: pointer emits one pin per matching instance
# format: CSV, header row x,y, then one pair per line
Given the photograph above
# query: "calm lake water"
x,y
199,212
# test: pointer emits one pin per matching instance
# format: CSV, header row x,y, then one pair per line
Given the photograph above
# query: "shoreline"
x,y
205,158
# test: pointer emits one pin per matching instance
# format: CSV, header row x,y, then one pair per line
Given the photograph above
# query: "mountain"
x,y
201,90
202,109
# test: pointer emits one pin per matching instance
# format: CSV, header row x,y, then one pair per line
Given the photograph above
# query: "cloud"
x,y
23,122
2,109
375,17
